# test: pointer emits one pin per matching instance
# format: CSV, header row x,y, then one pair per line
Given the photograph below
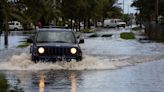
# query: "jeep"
x,y
55,44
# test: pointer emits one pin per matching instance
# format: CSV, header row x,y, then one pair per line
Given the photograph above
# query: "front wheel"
x,y
34,59
15,29
78,59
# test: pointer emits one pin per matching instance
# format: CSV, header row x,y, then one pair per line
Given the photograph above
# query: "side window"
x,y
11,23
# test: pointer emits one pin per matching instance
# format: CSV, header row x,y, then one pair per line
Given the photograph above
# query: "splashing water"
x,y
23,62
103,54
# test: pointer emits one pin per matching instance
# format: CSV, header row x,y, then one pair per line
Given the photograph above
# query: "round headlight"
x,y
73,50
41,50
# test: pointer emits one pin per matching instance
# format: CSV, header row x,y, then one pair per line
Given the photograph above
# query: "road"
x,y
147,77
110,64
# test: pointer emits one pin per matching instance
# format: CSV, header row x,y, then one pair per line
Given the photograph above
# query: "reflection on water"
x,y
42,82
73,80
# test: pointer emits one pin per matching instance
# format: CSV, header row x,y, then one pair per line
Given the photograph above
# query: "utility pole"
x,y
123,6
157,10
128,9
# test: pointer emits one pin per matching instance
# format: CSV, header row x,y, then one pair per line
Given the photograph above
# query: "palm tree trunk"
x,y
88,20
6,34
6,39
84,23
79,24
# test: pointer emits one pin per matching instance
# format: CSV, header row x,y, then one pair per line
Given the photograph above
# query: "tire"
x,y
78,59
15,29
68,60
34,59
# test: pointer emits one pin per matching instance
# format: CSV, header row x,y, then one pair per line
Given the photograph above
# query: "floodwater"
x,y
14,39
109,65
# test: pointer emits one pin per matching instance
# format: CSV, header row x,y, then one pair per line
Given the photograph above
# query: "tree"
x,y
8,12
44,11
148,9
86,10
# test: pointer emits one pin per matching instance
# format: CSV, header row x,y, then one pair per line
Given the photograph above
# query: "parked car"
x,y
110,23
55,44
120,23
114,23
99,24
15,25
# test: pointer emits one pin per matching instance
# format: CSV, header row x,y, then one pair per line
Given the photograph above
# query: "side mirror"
x,y
81,41
29,40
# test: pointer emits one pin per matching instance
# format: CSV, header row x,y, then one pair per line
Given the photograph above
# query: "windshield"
x,y
55,37
119,20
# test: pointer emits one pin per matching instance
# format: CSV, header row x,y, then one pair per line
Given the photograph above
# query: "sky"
x,y
127,8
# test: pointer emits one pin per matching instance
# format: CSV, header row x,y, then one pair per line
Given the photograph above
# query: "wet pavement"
x,y
110,64
147,77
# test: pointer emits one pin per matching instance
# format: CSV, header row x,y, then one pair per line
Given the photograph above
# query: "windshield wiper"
x,y
52,42
59,41
42,41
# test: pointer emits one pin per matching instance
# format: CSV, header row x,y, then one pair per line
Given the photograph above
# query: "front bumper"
x,y
121,25
58,58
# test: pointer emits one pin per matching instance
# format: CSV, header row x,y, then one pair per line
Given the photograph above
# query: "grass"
x,y
23,45
87,30
127,35
3,83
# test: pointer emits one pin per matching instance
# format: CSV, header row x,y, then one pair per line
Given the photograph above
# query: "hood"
x,y
56,45
121,23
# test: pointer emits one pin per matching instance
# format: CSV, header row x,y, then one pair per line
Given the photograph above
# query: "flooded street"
x,y
13,42
110,64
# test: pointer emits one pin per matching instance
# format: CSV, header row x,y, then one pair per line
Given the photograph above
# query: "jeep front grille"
x,y
57,51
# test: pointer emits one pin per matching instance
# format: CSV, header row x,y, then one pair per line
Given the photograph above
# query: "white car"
x,y
120,23
99,24
15,25
110,23
114,23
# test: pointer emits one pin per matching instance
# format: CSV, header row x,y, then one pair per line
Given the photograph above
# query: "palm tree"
x,y
8,11
5,11
41,10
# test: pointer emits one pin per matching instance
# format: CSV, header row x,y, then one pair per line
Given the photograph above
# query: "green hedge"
x,y
23,45
87,30
3,83
127,35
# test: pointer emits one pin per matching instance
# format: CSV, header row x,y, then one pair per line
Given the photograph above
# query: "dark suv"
x,y
54,44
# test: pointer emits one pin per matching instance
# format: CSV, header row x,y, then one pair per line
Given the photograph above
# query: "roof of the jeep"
x,y
53,29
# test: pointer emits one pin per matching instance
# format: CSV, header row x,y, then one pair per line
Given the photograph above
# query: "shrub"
x,y
127,35
87,30
23,45
3,83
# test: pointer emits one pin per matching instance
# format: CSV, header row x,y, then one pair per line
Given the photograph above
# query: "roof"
x,y
53,29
